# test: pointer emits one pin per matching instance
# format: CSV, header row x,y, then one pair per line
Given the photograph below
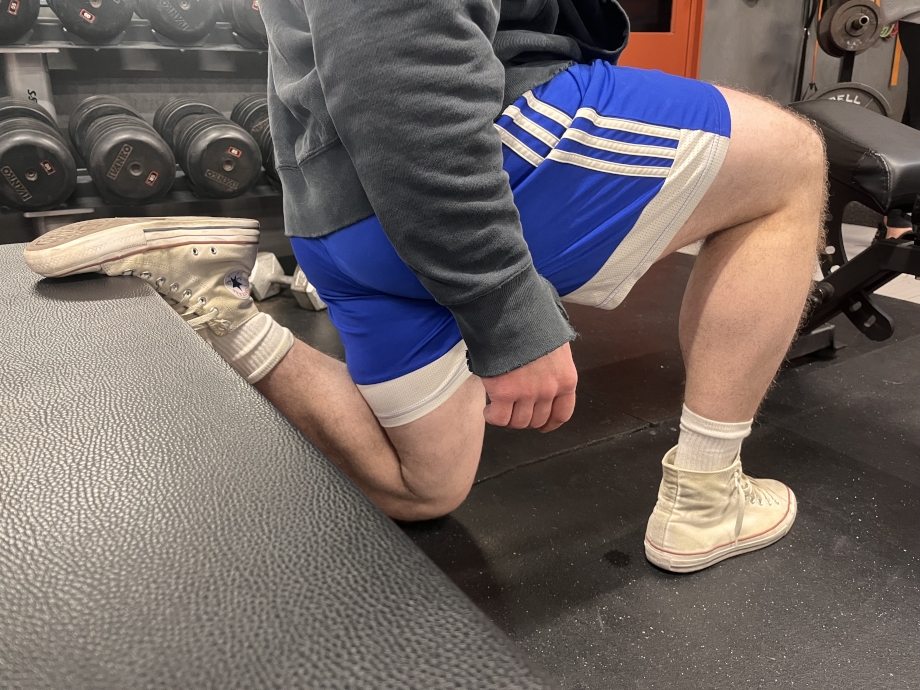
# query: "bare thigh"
x,y
759,171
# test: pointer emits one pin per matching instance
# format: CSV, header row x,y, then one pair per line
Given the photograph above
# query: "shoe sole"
x,y
84,247
689,563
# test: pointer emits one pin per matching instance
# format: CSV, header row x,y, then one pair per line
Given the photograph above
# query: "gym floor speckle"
x,y
549,543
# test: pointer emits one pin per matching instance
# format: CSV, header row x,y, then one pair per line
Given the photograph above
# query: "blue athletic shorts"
x,y
606,164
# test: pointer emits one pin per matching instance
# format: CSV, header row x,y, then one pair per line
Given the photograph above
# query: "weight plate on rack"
x,y
182,21
95,21
251,114
128,161
857,94
37,171
17,17
264,140
168,116
219,157
11,107
849,27
246,19
90,110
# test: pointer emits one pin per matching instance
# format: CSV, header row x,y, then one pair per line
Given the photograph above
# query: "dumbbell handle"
x,y
281,279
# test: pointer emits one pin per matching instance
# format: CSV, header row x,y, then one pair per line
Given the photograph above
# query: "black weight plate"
x,y
190,126
264,139
849,27
182,21
11,107
90,110
128,161
95,21
17,17
246,19
170,114
250,112
37,171
220,159
824,36
856,94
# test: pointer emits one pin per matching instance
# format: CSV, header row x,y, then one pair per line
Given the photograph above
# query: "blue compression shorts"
x,y
606,164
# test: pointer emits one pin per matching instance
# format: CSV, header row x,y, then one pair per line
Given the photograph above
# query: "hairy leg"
x,y
762,222
414,472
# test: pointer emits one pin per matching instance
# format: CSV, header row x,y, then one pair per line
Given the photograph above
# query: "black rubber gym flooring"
x,y
549,543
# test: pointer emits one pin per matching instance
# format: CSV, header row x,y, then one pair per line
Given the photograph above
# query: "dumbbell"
x,y
220,158
17,17
95,21
128,161
268,277
251,114
38,170
182,21
245,18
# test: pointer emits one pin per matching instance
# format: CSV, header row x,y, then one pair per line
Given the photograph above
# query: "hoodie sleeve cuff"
x,y
515,324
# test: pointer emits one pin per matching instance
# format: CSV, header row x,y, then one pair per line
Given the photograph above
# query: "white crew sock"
x,y
254,348
708,446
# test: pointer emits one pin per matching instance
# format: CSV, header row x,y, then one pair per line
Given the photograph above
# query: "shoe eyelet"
x,y
213,250
202,300
187,293
145,274
174,287
128,273
160,281
195,251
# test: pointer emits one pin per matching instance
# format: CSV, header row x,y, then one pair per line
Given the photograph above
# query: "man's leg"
x,y
762,220
418,471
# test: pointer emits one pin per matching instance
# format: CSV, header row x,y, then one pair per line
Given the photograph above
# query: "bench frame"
x,y
849,283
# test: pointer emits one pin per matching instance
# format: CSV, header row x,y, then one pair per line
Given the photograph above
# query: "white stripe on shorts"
x,y
547,110
631,126
607,166
615,146
589,140
699,158
519,147
531,127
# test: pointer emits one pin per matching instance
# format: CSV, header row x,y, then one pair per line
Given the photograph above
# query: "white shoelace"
x,y
191,313
752,492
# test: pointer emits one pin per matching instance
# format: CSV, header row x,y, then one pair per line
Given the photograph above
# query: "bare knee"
x,y
807,149
416,508
438,457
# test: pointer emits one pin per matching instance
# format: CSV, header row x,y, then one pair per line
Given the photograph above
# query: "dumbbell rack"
x,y
26,70
49,36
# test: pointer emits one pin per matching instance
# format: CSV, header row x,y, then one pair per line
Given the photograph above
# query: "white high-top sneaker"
x,y
702,518
200,265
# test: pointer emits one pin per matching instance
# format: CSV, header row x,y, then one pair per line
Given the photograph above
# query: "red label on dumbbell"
x,y
14,7
88,16
255,5
234,151
47,167
152,177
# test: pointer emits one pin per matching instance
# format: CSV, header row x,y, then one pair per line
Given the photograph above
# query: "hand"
x,y
539,395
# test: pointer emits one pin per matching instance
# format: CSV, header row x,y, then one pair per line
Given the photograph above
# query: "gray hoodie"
x,y
386,107
900,10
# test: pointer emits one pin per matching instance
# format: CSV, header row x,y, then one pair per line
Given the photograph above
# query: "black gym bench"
x,y
875,161
162,525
